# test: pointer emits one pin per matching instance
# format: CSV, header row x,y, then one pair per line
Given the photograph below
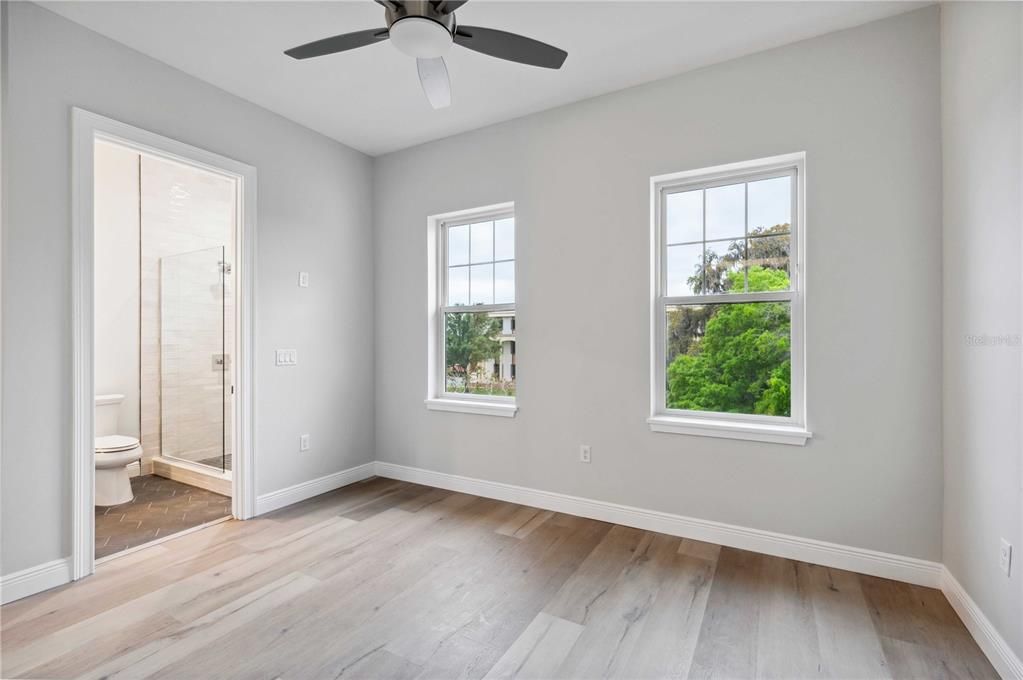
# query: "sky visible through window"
x,y
481,263
705,224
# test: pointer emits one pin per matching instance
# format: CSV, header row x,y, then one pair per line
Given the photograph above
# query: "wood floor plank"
x,y
539,651
524,588
596,574
459,658
148,659
197,594
391,499
116,643
912,660
378,536
924,618
380,663
670,634
615,622
330,622
787,644
849,644
385,579
109,589
524,521
699,549
727,646
468,600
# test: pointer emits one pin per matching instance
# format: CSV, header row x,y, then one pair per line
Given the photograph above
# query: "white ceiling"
x,y
370,98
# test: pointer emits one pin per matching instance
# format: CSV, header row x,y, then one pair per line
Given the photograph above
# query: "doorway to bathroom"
x,y
163,326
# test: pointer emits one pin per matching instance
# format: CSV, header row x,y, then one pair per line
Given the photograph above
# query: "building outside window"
x,y
473,325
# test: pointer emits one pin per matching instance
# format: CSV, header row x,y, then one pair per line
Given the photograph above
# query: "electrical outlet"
x,y
303,279
1005,557
303,443
584,453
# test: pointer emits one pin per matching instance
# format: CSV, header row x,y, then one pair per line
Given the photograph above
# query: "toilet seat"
x,y
115,442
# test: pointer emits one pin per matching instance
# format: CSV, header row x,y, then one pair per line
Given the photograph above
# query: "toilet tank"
x,y
108,408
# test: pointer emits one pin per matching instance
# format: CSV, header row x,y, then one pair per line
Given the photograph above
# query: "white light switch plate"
x,y
584,453
303,443
1005,557
303,279
286,357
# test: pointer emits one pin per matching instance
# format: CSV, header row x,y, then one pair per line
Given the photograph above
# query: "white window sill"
x,y
480,408
730,429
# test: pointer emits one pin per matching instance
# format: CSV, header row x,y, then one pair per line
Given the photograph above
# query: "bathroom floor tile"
x,y
160,507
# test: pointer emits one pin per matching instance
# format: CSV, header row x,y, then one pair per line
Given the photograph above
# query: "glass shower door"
x,y
194,363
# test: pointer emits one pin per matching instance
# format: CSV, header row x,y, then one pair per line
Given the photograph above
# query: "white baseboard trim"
x,y
885,565
314,487
35,580
998,651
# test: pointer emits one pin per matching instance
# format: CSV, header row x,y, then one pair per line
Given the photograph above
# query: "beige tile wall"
x,y
185,210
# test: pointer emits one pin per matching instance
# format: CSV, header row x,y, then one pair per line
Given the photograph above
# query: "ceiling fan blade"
x,y
433,75
338,43
448,6
510,46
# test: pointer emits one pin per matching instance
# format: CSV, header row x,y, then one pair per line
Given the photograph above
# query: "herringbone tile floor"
x,y
161,507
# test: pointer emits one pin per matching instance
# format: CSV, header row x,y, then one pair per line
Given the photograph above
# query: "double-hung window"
x,y
473,334
727,312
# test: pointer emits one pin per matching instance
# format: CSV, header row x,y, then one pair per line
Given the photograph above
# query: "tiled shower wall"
x,y
185,210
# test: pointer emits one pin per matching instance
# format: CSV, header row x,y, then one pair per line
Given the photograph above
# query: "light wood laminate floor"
x,y
384,579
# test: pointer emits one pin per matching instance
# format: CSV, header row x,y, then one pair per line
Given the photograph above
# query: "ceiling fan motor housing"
x,y
419,30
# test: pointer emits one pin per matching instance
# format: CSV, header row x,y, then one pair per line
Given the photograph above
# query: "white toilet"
x,y
114,453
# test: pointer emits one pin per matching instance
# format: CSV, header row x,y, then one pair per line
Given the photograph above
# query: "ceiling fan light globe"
x,y
420,38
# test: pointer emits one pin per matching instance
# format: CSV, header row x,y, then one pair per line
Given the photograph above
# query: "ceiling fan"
x,y
426,29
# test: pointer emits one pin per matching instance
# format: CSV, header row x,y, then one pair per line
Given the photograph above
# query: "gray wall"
x,y
982,124
864,105
314,215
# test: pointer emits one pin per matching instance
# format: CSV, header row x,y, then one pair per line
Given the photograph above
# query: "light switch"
x,y
286,357
303,279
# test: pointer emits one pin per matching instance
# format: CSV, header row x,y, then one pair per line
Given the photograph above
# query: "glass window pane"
x,y
769,263
479,353
458,286
684,216
770,206
504,282
684,269
726,266
482,242
504,239
729,358
726,212
458,245
481,284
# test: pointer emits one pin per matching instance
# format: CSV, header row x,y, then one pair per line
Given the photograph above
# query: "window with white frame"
x,y
728,311
474,323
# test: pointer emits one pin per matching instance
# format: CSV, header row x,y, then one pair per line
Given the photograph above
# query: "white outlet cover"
x,y
303,279
584,453
1005,557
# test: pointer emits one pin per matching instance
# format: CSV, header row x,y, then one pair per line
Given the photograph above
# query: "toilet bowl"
x,y
114,453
